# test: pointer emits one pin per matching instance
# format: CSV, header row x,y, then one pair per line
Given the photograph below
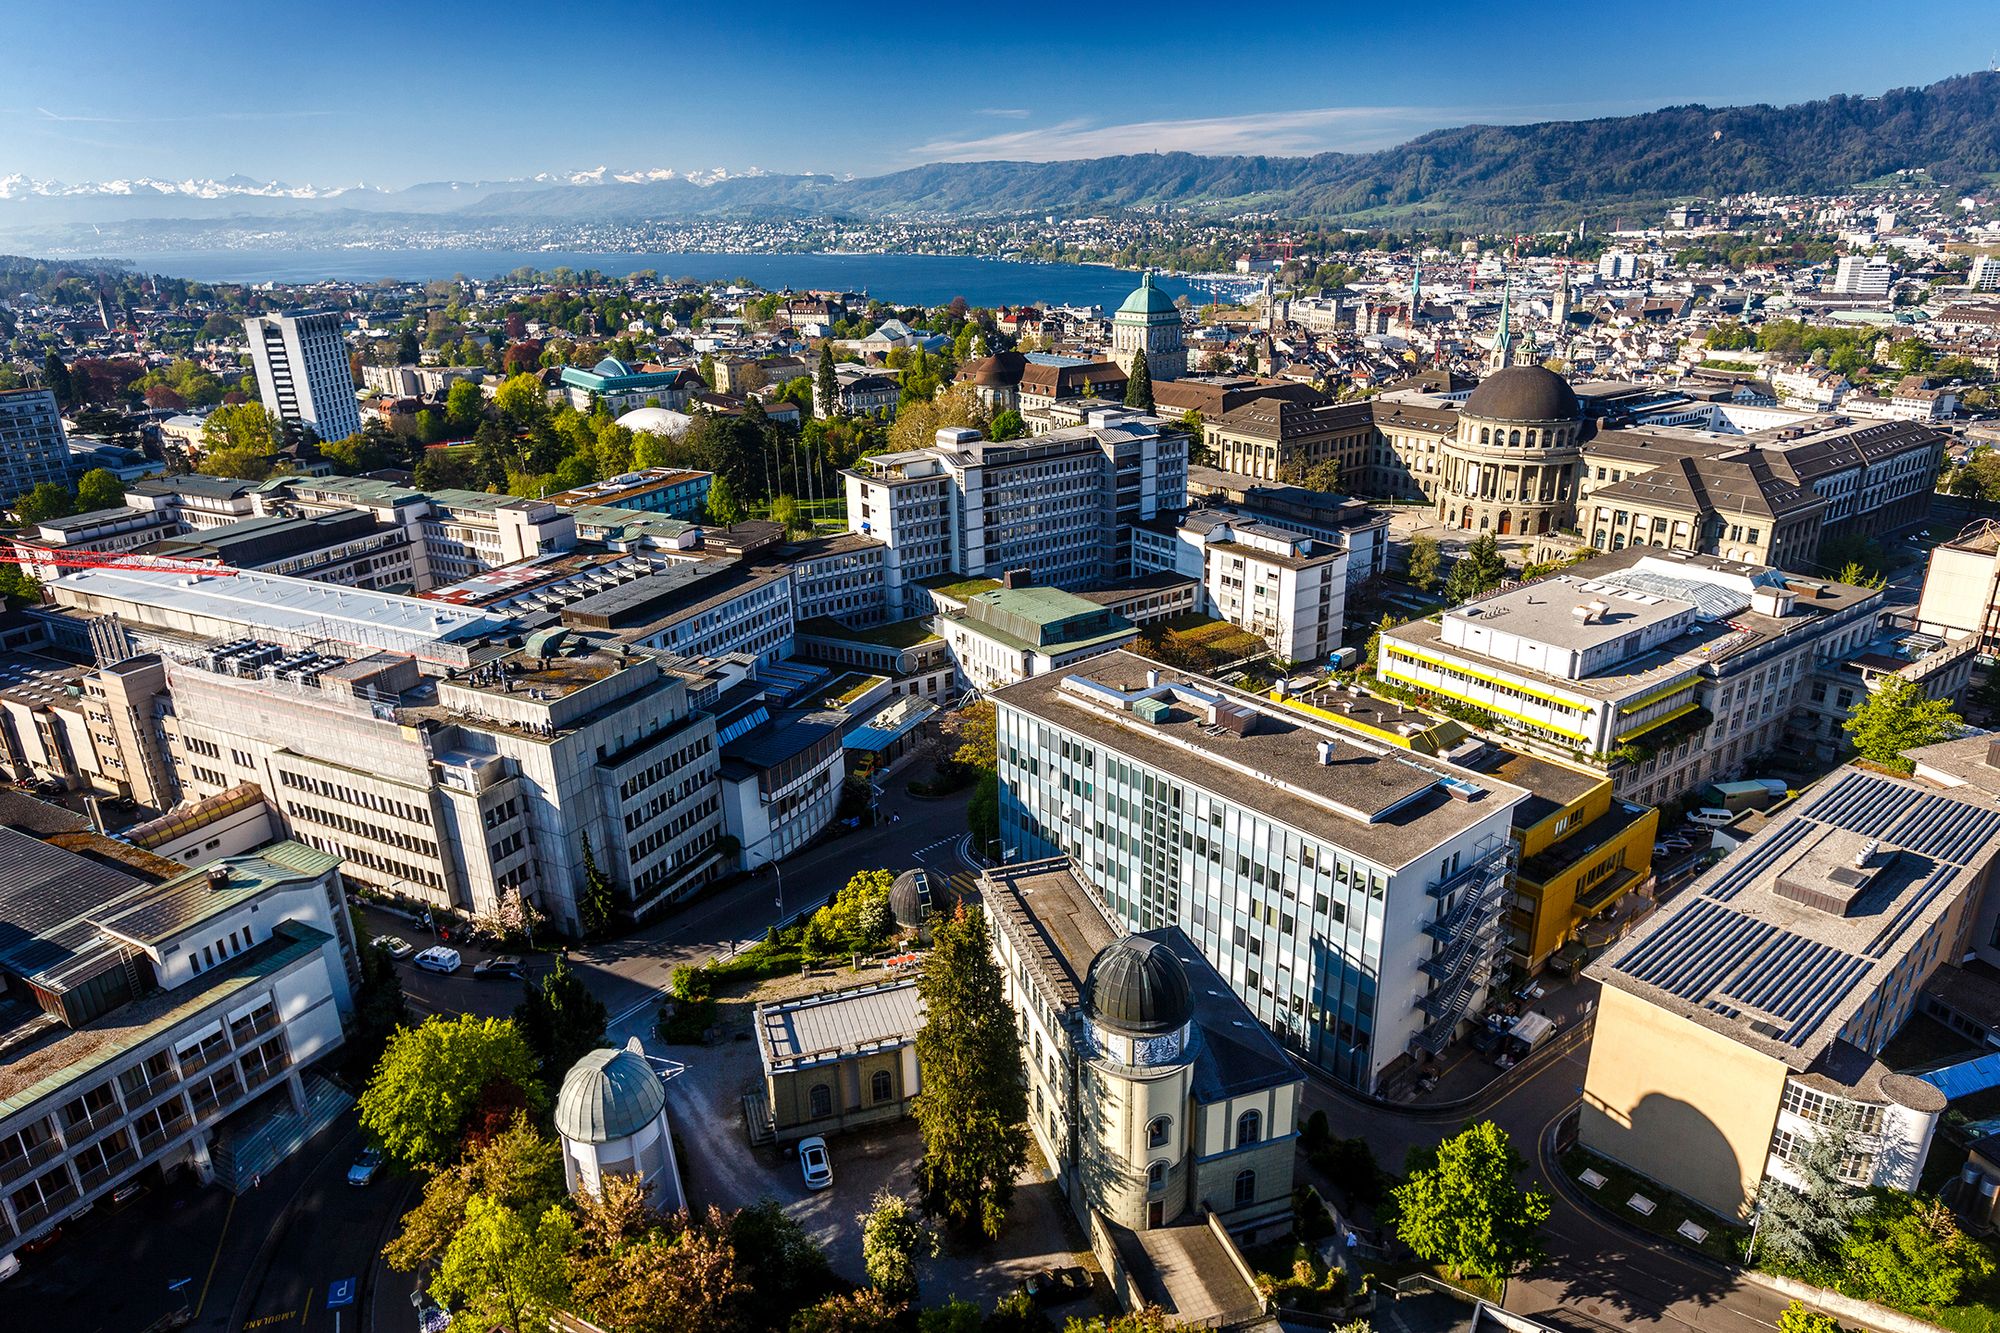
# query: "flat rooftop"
x,y
276,604
807,1031
1376,801
1781,944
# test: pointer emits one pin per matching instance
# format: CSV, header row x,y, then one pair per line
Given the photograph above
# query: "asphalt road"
x,y
1598,1275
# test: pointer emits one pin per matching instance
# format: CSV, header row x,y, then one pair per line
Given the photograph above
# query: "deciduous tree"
x,y
520,1167
1467,1212
46,501
1426,562
506,1266
973,1103
1908,1251
1896,717
892,1240
430,1078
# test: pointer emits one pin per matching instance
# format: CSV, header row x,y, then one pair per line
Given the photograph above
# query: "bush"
x,y
1350,1164
1315,1133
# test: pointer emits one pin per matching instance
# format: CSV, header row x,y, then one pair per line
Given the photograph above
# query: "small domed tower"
x,y
1139,1075
612,1118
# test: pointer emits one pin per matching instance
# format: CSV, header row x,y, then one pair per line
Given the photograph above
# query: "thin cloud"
x,y
1304,131
1004,112
69,119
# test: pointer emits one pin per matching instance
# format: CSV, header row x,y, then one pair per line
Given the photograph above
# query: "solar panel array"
x,y
1714,955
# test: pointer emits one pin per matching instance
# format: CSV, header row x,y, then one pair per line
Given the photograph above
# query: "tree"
x,y
464,405
1426,562
1007,425
238,440
56,378
826,386
1907,1251
982,813
1372,652
561,1021
723,506
857,918
46,501
506,1266
683,1280
520,399
977,744
431,1076
971,1109
1852,573
780,1261
594,907
1322,476
1897,716
1795,1318
1199,452
408,353
1466,1211
917,423
1479,569
787,514
892,1240
1805,1226
520,1167
864,1311
1139,383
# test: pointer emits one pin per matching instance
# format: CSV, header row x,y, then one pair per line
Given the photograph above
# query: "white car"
x,y
397,946
1712,817
437,958
814,1163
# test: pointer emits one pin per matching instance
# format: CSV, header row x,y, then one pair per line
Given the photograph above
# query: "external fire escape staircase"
x,y
1469,932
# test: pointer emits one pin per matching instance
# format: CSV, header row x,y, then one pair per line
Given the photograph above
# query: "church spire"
x,y
1416,292
1503,340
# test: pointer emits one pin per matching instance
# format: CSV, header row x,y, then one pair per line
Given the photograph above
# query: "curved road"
x,y
1598,1276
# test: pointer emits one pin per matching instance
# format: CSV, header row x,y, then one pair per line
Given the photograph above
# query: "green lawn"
x,y
1620,1184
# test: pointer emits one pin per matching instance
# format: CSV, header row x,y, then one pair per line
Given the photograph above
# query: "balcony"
x,y
18,1164
108,1169
195,1061
151,1141
252,1026
29,1216
256,1076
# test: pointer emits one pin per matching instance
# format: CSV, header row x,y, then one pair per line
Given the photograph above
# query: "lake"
x,y
911,279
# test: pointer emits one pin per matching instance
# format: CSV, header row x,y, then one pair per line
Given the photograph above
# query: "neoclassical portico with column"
x,y
1511,468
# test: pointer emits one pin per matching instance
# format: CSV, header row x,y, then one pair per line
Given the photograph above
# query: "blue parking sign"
x,y
340,1294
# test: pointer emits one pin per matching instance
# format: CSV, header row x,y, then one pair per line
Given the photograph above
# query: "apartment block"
x,y
33,446
1059,505
159,1017
303,374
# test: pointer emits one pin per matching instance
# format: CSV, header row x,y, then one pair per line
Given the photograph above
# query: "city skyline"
x,y
252,97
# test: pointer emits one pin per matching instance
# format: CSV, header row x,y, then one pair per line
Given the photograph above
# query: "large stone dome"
x,y
1146,299
1523,393
608,1094
1138,987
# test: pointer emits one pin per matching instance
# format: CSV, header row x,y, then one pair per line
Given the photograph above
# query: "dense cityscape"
x,y
1414,768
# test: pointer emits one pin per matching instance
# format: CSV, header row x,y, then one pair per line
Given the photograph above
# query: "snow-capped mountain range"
x,y
17,186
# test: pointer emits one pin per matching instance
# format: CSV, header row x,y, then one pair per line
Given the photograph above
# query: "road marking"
x,y
304,1309
217,1258
269,1319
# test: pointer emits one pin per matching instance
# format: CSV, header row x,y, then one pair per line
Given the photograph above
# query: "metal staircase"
x,y
242,1155
1470,934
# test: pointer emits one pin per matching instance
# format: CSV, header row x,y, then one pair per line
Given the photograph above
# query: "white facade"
x,y
1863,275
303,374
1285,587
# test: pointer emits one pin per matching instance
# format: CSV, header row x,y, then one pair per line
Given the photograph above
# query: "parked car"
x,y
365,1167
1057,1286
1712,817
437,958
499,965
814,1163
42,1242
397,946
10,1264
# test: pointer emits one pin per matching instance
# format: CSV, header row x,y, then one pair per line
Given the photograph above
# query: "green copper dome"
x,y
607,1095
1146,299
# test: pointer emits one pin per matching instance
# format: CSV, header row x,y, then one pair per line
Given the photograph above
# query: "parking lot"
x,y
719,1166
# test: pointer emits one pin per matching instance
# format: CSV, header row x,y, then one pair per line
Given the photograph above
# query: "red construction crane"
x,y
37,555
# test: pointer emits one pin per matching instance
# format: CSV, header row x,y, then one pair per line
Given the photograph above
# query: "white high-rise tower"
x,y
302,372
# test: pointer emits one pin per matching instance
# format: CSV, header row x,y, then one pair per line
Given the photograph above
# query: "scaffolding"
x,y
1470,936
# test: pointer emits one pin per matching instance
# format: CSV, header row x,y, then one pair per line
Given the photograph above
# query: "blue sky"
x,y
416,90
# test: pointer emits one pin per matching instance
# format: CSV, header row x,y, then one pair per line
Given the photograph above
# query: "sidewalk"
x,y
1465,1072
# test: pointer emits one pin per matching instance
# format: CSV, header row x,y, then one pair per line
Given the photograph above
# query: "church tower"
x,y
1503,340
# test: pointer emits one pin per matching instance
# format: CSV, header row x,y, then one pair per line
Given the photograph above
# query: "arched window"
x,y
1531,439
1485,435
1246,1188
881,1086
1157,1131
1249,1129
1515,438
821,1100
1156,1177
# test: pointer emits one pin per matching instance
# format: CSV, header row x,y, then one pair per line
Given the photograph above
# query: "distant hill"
x,y
1508,175
1527,172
